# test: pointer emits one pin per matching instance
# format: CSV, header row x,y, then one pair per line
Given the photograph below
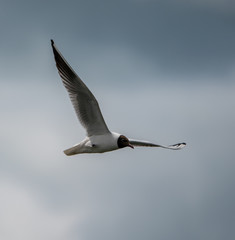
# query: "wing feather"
x,y
139,143
84,102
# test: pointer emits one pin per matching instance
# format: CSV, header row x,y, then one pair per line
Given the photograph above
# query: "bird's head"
x,y
123,142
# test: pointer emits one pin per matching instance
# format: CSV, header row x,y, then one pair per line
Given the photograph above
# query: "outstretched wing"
x,y
84,102
139,143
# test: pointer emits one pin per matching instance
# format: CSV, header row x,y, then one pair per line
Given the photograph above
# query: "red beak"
x,y
131,146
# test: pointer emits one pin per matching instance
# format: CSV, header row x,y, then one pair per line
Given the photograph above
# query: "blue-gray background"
x,y
162,71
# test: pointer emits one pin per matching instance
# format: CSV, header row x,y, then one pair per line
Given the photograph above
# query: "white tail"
x,y
72,151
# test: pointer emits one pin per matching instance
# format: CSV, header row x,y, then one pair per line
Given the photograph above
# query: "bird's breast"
x,y
103,143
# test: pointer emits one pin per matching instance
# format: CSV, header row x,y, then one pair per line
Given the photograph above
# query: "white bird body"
x,y
99,139
95,144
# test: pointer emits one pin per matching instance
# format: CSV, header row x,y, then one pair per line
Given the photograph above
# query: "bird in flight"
x,y
99,138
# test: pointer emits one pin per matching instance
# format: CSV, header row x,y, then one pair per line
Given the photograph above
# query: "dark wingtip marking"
x,y
183,143
52,42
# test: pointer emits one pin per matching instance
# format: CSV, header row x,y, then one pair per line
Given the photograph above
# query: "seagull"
x,y
99,138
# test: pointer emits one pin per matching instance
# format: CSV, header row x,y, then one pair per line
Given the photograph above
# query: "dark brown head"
x,y
123,142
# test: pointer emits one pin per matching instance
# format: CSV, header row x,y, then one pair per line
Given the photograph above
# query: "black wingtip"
x,y
52,43
183,144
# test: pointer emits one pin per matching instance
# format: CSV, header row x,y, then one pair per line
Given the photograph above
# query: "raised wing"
x,y
138,143
84,102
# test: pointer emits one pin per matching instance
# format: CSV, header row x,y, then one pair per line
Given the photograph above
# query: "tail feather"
x,y
71,151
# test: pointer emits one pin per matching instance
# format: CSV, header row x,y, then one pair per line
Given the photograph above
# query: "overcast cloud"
x,y
162,71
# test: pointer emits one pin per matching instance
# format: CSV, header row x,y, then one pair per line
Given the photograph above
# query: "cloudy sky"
x,y
162,71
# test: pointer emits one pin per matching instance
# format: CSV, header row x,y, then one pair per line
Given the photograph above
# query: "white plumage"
x,y
99,139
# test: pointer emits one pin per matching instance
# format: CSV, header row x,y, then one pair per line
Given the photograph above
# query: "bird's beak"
x,y
131,146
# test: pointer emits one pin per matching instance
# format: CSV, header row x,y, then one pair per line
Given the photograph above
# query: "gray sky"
x,y
162,71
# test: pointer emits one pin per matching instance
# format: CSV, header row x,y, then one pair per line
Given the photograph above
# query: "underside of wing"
x,y
139,143
84,102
